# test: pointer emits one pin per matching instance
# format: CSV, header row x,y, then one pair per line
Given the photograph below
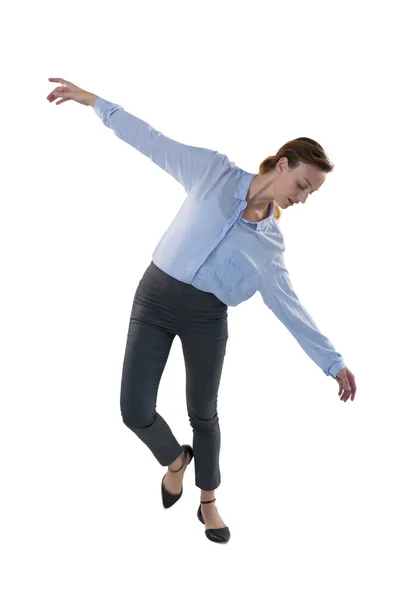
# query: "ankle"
x,y
178,462
206,496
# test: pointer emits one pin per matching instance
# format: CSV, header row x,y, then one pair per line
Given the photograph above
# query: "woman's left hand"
x,y
347,384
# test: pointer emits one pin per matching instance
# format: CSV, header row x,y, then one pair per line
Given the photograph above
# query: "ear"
x,y
282,163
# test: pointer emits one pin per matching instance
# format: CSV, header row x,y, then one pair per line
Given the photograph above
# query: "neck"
x,y
260,193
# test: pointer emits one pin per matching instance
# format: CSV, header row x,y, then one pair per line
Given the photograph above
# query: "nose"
x,y
302,198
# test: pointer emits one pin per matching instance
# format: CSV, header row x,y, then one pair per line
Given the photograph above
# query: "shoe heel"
x,y
200,516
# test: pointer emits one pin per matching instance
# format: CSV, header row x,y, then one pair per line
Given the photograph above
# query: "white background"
x,y
309,483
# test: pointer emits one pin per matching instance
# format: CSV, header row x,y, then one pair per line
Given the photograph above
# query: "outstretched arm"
x,y
278,294
185,163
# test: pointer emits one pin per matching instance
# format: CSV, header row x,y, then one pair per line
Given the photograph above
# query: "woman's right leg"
x,y
147,349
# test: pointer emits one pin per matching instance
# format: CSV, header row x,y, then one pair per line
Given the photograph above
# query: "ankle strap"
x,y
207,501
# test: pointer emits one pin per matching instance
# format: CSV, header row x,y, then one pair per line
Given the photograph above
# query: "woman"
x,y
223,246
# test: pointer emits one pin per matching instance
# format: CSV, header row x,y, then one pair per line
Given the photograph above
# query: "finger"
x,y
65,95
63,100
345,394
53,94
342,385
345,389
353,385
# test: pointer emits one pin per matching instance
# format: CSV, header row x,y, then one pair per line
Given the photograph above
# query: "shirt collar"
x,y
241,192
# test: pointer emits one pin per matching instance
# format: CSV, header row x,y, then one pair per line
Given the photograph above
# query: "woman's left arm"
x,y
278,294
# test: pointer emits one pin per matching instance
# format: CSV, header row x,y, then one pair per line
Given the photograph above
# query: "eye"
x,y
302,188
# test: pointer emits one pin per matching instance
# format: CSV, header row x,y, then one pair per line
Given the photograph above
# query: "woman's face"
x,y
296,183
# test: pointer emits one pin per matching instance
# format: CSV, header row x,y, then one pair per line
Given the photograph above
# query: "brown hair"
x,y
301,149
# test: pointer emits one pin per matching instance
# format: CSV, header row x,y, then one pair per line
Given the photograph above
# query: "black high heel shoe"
x,y
169,499
221,535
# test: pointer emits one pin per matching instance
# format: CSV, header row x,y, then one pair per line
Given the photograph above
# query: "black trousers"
x,y
164,307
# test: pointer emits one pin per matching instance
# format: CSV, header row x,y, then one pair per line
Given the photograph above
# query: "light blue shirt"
x,y
209,245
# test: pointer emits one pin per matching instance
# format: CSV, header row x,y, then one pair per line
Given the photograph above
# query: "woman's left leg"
x,y
204,334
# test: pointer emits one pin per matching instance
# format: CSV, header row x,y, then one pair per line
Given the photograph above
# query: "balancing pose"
x,y
223,246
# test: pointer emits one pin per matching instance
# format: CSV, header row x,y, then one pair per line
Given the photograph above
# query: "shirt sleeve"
x,y
278,294
185,163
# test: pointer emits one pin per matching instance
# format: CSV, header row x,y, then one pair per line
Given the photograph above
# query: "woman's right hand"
x,y
69,91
